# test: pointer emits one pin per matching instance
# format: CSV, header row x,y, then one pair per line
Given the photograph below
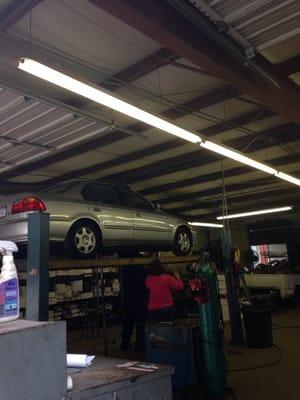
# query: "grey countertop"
x,y
103,373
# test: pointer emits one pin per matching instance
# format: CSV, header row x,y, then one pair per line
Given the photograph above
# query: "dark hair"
x,y
156,267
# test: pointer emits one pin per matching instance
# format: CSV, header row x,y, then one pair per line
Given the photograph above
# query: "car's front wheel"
x,y
83,240
183,241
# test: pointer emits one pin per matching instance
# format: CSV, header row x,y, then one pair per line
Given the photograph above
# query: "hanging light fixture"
x,y
106,99
102,97
257,212
206,224
237,156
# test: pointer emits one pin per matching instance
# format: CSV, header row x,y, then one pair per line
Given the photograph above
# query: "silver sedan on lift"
x,y
90,216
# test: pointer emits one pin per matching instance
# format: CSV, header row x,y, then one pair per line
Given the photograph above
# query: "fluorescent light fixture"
x,y
102,97
237,156
288,178
258,212
206,224
106,99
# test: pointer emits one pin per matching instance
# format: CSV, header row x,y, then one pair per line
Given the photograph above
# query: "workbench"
x,y
33,360
104,381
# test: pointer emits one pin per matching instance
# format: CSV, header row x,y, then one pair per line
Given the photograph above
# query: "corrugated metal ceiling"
x,y
30,129
262,23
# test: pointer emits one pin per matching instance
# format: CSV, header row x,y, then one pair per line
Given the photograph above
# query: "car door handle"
x,y
97,209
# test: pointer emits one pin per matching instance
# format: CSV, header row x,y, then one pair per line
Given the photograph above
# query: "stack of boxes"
x,y
70,291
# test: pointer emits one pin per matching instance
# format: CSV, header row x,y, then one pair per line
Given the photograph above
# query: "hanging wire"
x,y
203,115
224,198
161,97
159,90
30,31
107,30
196,113
224,195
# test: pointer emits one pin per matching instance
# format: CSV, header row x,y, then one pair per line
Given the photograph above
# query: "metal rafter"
x,y
135,71
213,176
15,11
217,191
203,101
165,25
139,69
263,203
161,147
260,140
289,67
230,199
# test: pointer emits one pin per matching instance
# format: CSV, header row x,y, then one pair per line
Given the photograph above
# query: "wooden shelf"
x,y
108,262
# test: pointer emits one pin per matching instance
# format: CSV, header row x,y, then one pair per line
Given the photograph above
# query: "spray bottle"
x,y
9,283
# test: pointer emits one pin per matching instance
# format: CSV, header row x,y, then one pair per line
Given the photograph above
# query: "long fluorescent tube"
x,y
104,98
100,96
258,212
237,156
288,178
206,224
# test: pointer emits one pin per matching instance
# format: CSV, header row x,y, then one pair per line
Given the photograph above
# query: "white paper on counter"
x,y
79,360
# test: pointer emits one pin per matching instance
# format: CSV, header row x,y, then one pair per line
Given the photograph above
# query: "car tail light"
x,y
28,204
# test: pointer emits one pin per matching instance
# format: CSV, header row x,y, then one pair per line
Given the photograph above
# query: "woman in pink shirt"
x,y
160,286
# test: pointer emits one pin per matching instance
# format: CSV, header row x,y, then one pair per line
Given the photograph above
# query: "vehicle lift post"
x,y
37,286
232,298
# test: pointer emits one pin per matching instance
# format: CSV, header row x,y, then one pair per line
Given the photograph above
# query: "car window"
x,y
133,200
60,188
101,193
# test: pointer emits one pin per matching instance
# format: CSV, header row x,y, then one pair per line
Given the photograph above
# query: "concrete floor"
x,y
279,381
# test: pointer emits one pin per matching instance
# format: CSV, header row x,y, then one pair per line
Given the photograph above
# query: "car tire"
x,y
183,241
83,240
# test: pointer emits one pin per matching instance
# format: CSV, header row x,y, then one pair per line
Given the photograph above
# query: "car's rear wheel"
x,y
83,240
183,241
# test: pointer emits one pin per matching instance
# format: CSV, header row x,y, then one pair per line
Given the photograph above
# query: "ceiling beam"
x,y
259,140
216,191
289,67
74,151
208,99
253,116
281,200
230,200
14,11
162,23
161,147
135,71
213,176
139,69
13,187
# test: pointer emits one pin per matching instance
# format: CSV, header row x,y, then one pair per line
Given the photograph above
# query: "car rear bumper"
x,y
15,231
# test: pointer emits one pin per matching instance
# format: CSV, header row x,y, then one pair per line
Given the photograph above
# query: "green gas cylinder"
x,y
210,314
